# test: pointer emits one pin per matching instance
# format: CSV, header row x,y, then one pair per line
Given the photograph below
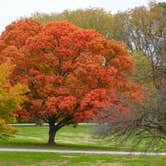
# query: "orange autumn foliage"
x,y
72,73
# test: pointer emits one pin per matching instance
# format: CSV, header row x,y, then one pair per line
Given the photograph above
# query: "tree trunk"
x,y
162,108
53,127
161,92
52,132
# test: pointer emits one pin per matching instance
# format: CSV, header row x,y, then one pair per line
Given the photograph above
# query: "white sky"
x,y
11,10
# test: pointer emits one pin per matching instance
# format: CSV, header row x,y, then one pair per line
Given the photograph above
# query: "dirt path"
x,y
80,151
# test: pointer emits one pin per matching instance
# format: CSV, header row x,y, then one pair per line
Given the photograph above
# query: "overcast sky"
x,y
11,10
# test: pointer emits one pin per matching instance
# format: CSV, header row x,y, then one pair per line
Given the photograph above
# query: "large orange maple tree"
x,y
74,75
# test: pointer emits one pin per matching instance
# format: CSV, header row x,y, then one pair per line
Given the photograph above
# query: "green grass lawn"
x,y
52,159
66,138
70,138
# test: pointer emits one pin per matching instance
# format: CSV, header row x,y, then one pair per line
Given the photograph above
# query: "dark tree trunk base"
x,y
51,143
53,127
52,132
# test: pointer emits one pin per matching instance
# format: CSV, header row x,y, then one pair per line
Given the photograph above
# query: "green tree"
x,y
92,18
142,73
10,98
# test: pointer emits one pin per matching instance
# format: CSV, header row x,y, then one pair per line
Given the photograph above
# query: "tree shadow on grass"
x,y
44,145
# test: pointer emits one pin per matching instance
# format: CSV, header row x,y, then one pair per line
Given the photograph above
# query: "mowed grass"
x,y
52,159
68,137
32,136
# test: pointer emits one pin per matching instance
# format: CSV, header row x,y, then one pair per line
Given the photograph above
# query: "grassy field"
x,y
70,138
66,138
50,159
